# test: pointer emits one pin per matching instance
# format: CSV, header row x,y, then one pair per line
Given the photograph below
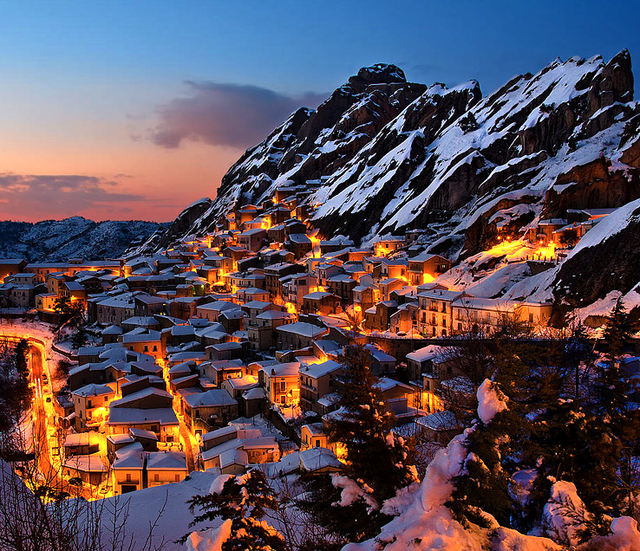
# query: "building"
x,y
316,381
281,383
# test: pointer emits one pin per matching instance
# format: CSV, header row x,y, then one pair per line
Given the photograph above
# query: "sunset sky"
x,y
132,109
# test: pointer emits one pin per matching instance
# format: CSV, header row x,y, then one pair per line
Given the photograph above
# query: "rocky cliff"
x,y
393,155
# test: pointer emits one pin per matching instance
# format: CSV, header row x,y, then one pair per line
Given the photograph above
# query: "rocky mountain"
x,y
76,237
385,155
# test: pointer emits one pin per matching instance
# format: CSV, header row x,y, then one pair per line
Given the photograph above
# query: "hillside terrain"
x,y
76,237
382,156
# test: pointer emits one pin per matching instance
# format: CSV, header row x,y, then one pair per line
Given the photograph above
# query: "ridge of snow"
x,y
489,403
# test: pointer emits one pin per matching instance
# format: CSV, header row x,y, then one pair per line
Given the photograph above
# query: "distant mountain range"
x,y
383,155
76,237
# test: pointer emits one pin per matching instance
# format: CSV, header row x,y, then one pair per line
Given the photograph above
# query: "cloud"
x,y
53,196
231,115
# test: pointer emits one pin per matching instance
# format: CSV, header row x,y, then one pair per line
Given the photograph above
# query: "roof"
x,y
129,457
224,431
86,463
315,459
242,383
274,314
233,457
302,328
210,398
167,460
299,238
289,369
439,294
425,353
318,370
82,439
141,433
93,390
384,383
117,404
315,429
112,330
441,420
133,416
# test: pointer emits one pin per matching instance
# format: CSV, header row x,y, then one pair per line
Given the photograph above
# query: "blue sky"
x,y
99,88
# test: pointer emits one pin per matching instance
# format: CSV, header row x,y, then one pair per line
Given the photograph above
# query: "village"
x,y
224,351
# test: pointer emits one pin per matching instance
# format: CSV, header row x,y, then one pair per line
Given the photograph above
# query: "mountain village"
x,y
249,321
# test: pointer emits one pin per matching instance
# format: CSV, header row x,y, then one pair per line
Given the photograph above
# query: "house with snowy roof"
x,y
317,380
298,335
165,467
91,404
321,302
425,267
204,411
281,383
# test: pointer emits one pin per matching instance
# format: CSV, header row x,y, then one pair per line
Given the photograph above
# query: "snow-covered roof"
x,y
166,460
210,398
93,390
133,416
303,329
290,369
316,371
441,420
426,353
316,459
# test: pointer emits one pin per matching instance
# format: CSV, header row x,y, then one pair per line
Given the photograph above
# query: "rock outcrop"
x,y
382,155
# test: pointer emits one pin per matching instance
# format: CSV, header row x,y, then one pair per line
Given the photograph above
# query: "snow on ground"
x,y
143,508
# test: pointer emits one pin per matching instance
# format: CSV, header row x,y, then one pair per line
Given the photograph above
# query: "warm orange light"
x,y
427,278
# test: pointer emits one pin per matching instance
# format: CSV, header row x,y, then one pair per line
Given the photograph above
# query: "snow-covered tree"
x,y
378,463
241,502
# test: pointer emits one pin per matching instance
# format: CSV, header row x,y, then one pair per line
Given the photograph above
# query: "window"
x,y
176,477
128,477
317,443
146,348
283,386
156,477
155,348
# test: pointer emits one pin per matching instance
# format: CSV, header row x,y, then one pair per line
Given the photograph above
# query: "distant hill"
x,y
76,237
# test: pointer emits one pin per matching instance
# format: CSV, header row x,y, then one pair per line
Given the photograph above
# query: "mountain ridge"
x,y
74,237
385,155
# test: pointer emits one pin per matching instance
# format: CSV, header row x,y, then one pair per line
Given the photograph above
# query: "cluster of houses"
x,y
249,319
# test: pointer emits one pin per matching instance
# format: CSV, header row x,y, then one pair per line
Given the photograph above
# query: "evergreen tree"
x,y
243,500
373,453
377,462
79,339
521,377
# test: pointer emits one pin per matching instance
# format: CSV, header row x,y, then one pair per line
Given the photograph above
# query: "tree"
x,y
378,463
354,318
15,393
79,339
242,502
70,311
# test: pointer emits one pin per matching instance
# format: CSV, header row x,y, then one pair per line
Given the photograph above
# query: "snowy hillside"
x,y
76,237
382,156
